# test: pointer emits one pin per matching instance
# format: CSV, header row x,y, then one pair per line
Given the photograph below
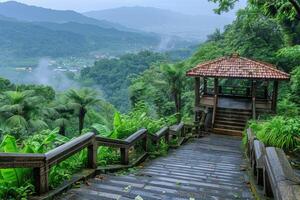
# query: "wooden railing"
x,y
273,170
41,163
162,133
126,144
238,91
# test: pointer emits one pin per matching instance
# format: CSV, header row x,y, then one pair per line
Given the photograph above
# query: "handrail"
x,y
241,91
273,170
41,163
15,160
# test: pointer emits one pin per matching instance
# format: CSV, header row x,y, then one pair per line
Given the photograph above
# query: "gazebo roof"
x,y
237,67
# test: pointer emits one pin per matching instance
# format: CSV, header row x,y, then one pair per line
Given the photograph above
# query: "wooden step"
x,y
229,127
233,116
234,110
238,120
235,113
229,122
227,132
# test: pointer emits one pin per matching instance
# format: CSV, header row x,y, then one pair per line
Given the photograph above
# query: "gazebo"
x,y
234,89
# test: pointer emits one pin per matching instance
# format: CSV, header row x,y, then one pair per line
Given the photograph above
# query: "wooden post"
x,y
216,92
144,143
124,156
167,137
197,92
216,86
197,104
275,95
205,85
254,99
92,154
266,87
40,175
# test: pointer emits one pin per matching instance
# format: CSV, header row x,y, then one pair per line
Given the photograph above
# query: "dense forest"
x,y
35,119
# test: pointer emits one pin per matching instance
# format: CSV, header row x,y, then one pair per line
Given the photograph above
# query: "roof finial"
x,y
235,55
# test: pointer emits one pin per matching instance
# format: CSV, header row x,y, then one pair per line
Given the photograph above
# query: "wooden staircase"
x,y
231,121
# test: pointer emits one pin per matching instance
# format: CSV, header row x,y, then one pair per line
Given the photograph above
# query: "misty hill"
x,y
162,21
27,40
28,13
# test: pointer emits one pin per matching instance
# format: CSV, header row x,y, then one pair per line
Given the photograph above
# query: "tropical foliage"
x,y
281,132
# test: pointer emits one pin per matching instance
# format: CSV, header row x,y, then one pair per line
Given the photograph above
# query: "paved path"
x,y
206,168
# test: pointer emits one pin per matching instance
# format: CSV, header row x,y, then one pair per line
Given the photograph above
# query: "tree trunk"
x,y
177,100
81,119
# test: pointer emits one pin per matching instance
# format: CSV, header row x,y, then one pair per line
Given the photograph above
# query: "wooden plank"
x,y
280,179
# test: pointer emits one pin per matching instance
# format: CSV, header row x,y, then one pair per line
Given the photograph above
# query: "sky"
x,y
184,6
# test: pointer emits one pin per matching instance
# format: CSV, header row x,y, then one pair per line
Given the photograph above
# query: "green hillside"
x,y
23,40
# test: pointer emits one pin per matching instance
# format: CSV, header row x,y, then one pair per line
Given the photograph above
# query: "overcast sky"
x,y
184,6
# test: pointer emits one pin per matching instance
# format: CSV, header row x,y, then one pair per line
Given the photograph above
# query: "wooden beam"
x,y
275,95
205,85
254,99
216,86
197,92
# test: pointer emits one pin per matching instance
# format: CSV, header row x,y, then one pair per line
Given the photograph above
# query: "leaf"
x,y
38,124
117,120
102,130
10,176
17,121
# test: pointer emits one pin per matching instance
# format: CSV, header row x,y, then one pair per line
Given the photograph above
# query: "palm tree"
x,y
80,101
174,74
20,109
59,113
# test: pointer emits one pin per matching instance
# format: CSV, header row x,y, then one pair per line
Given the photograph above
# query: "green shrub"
x,y
279,131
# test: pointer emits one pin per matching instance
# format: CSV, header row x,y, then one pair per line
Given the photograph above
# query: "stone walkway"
x,y
206,168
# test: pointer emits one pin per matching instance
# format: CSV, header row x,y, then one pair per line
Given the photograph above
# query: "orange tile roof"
x,y
238,67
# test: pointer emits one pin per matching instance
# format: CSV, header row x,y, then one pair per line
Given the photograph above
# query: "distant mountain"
x,y
19,40
28,13
162,21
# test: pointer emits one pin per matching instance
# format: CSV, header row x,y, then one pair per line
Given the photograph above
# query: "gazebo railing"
x,y
237,91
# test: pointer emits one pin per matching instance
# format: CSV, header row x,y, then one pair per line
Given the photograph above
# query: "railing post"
x,y
92,154
167,136
144,143
124,156
40,175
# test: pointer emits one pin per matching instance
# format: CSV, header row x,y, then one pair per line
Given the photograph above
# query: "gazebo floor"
x,y
205,168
